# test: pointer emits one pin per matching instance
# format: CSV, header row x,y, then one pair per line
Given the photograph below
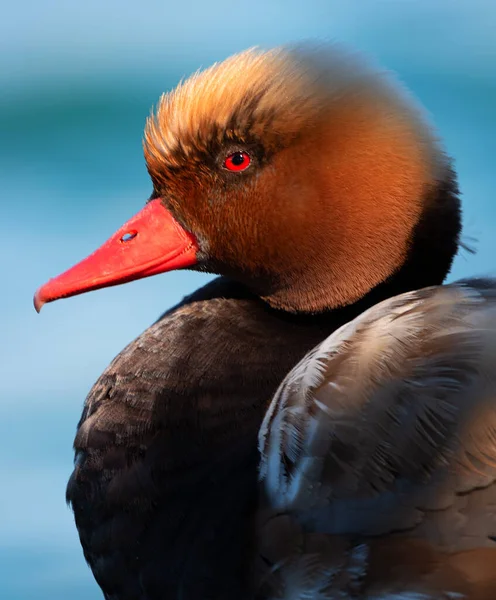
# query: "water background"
x,y
77,80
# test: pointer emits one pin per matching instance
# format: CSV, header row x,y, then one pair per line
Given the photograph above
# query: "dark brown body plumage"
x,y
165,485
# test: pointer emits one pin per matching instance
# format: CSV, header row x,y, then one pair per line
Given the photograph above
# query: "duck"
x,y
319,421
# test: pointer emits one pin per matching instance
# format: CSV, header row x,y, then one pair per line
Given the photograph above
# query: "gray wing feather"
x,y
388,428
397,394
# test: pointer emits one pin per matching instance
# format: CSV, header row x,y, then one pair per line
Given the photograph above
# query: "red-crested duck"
x,y
315,188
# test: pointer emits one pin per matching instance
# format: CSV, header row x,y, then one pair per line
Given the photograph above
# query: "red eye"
x,y
237,161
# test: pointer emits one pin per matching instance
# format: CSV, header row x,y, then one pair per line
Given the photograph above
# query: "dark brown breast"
x,y
165,480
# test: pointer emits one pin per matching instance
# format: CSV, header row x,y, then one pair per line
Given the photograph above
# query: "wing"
x,y
384,432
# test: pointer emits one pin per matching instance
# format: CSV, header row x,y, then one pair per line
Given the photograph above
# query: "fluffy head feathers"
x,y
344,166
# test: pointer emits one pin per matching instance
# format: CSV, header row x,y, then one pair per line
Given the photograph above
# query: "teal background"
x,y
77,80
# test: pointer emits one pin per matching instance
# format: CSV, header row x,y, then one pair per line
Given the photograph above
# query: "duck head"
x,y
302,172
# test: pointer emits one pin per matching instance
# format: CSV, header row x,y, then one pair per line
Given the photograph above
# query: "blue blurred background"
x,y
77,81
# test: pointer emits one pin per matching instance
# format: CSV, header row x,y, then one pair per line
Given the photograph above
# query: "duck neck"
x,y
433,243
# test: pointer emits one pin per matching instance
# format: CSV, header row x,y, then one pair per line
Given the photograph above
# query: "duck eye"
x,y
237,161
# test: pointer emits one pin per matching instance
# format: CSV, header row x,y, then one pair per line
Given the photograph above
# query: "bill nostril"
x,y
130,235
